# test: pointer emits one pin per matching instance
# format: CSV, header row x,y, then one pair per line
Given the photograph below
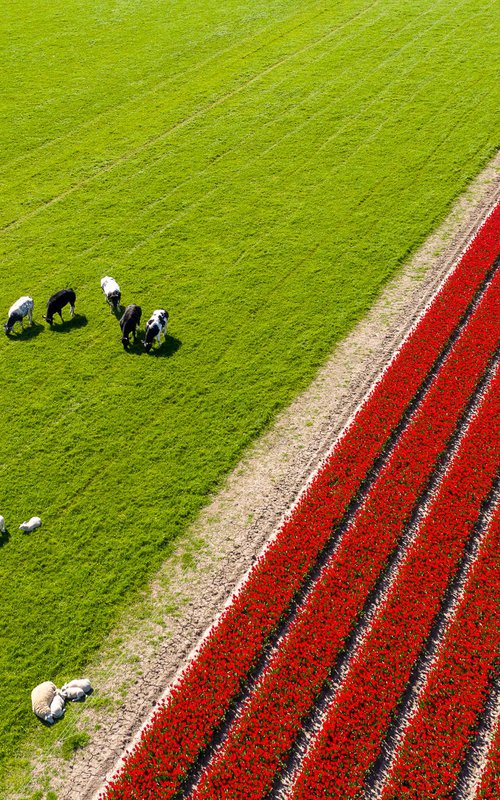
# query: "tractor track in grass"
x,y
232,538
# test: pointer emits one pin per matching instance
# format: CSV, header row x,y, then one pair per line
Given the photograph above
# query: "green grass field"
x,y
260,169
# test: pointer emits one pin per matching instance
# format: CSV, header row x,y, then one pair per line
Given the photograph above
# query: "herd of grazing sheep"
x,y
129,322
47,701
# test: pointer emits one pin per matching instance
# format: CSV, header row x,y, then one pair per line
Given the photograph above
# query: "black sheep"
x,y
129,322
56,303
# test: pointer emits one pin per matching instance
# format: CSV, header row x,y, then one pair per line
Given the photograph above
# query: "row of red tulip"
x,y
287,690
197,704
489,786
450,706
354,730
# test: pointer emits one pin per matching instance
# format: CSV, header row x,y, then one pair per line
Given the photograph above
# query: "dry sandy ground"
x,y
160,634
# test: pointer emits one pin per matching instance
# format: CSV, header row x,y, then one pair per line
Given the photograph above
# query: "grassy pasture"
x,y
260,169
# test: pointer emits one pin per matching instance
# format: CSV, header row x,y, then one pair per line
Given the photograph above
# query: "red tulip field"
x,y
361,656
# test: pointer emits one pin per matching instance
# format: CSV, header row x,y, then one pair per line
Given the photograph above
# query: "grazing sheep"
x,y
21,308
154,326
56,303
129,322
2,524
57,706
41,700
112,292
33,522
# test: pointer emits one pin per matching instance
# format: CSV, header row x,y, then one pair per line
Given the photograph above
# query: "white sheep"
x,y
21,308
2,524
57,705
73,693
31,525
76,689
41,700
112,292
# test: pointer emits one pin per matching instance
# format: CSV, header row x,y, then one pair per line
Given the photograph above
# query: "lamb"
x,y
129,322
31,525
76,689
2,524
57,705
112,292
56,303
73,693
155,325
42,697
21,308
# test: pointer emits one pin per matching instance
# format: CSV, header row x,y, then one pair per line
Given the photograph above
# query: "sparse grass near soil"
x,y
74,743
258,169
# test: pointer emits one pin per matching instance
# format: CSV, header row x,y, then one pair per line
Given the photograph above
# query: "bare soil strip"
x,y
160,634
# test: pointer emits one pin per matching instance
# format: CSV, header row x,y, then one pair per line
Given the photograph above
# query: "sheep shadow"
x,y
49,724
25,335
165,350
67,325
4,537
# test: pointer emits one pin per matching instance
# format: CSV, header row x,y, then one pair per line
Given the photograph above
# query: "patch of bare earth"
x,y
153,644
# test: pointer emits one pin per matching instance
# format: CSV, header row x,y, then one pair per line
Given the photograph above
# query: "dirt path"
x,y
158,637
